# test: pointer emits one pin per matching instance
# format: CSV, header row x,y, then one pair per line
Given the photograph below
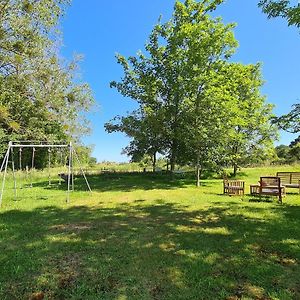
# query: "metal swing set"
x,y
34,145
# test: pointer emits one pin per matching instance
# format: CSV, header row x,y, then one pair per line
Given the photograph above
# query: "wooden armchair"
x,y
268,186
233,187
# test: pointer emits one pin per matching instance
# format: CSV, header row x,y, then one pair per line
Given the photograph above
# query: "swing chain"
x,y
49,166
62,163
20,158
32,166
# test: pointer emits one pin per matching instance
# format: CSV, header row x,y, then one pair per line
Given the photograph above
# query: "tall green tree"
x,y
250,133
39,98
202,44
198,44
158,81
197,97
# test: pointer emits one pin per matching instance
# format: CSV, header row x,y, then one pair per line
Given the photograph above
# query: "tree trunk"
x,y
173,156
172,165
235,162
198,172
235,168
154,161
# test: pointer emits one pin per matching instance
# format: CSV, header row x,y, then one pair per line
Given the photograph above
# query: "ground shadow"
x,y
125,182
158,251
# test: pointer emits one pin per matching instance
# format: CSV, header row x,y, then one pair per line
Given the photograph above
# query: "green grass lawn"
x,y
148,237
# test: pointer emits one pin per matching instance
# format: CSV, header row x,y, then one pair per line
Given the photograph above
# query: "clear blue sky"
x,y
99,29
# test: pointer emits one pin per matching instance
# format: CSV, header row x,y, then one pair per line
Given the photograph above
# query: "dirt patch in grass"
x,y
72,227
156,292
65,272
276,256
68,269
37,296
248,290
108,284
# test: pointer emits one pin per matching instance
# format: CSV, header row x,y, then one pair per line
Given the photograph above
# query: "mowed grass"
x,y
145,236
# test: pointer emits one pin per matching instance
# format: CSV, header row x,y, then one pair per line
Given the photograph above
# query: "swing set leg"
x,y
69,172
14,174
4,163
82,172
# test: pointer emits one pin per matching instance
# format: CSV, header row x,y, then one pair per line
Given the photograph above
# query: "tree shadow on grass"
x,y
125,182
263,199
158,251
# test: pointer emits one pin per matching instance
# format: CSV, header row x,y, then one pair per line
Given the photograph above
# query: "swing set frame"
x,y
41,144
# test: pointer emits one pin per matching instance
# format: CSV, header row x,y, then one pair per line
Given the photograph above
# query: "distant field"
x,y
148,236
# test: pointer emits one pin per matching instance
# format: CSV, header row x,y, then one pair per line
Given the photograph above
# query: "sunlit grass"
x,y
146,236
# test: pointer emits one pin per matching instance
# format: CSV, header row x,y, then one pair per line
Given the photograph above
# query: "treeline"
x,y
195,105
40,96
289,154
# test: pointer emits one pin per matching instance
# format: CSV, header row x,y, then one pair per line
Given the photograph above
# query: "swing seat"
x,y
63,176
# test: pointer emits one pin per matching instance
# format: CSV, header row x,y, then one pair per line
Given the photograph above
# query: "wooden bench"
x,y
268,186
234,187
290,179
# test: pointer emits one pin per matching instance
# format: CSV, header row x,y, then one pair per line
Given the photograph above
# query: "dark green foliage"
x,y
282,8
85,155
291,121
289,154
